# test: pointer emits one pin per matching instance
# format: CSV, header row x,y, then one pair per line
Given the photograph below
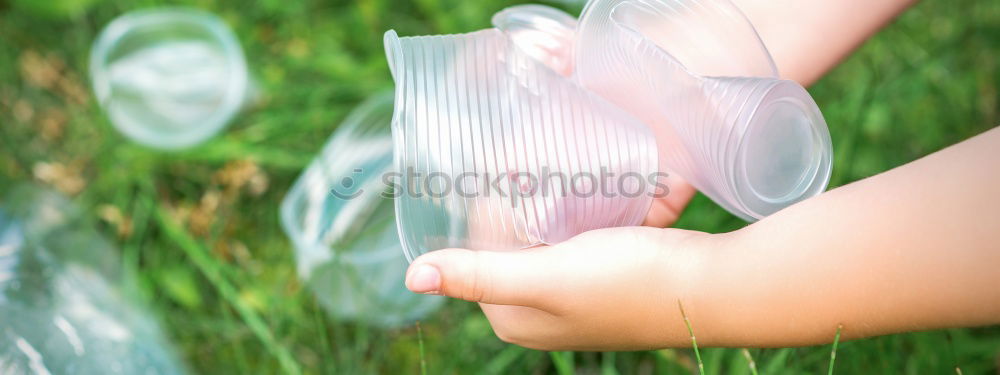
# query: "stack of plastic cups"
x,y
697,73
343,228
636,88
520,149
169,78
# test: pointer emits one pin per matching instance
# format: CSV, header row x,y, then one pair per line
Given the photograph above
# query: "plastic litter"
x,y
635,87
169,78
60,304
343,229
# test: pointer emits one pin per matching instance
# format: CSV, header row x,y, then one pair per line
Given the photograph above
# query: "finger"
x,y
506,278
665,210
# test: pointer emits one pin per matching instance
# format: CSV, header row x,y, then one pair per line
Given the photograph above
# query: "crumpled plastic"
x,y
60,296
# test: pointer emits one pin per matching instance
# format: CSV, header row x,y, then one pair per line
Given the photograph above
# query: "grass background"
x,y
198,229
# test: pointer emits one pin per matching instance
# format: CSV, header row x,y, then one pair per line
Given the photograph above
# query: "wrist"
x,y
726,293
691,268
760,287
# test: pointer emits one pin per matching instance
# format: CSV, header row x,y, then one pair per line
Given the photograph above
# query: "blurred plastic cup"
x,y
169,78
344,230
60,300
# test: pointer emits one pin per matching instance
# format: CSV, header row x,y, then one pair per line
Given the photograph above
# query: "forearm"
x,y
914,248
809,37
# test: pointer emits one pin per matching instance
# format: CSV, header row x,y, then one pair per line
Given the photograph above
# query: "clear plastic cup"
x,y
169,78
543,33
499,151
344,230
634,88
699,75
60,300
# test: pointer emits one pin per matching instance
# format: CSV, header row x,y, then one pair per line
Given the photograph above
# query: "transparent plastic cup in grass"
x,y
169,78
608,104
340,219
61,299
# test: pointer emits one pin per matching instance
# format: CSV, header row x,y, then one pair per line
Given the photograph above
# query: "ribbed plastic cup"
x,y
638,87
696,72
506,152
543,33
344,230
169,78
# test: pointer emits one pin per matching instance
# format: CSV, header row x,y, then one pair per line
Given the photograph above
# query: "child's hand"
x,y
871,256
606,289
578,294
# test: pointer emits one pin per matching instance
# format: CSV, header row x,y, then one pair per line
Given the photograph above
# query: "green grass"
x,y
694,340
750,361
221,277
833,351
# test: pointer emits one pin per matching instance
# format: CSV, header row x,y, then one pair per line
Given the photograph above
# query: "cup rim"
x,y
237,84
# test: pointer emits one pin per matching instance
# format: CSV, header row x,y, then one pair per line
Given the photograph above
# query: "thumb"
x,y
494,277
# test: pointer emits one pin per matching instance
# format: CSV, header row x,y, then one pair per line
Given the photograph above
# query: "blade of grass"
x,y
668,358
239,354
608,364
750,361
563,362
501,361
324,338
951,351
778,361
209,268
420,345
694,341
224,149
141,207
833,352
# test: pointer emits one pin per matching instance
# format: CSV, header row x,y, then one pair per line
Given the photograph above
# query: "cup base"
x,y
784,156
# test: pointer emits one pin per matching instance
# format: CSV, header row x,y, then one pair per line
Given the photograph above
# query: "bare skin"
x,y
913,248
